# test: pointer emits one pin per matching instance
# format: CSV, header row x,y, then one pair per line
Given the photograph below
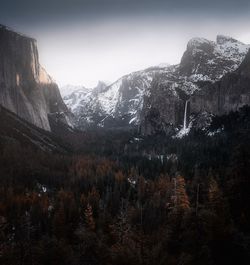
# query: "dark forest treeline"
x,y
192,207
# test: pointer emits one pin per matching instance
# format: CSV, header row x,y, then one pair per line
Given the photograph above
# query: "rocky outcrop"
x,y
206,60
25,87
162,108
228,94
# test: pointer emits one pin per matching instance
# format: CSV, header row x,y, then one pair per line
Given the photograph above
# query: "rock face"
x,y
25,87
112,106
228,94
206,60
154,99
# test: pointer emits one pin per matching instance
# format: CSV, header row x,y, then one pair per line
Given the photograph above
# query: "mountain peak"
x,y
198,42
101,85
222,39
163,65
7,29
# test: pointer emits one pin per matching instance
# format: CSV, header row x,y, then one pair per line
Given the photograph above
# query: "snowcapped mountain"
x,y
156,96
206,60
69,89
202,63
230,93
76,97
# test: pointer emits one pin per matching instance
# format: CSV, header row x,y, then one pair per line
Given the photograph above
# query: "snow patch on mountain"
x,y
231,48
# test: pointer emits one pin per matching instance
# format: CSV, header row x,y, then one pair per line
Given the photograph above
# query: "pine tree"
x,y
181,200
59,222
214,195
124,249
122,227
89,219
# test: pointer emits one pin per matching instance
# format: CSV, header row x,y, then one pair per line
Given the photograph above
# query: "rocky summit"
x,y
230,93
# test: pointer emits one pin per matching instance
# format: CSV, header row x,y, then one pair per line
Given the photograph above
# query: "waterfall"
x,y
185,129
185,116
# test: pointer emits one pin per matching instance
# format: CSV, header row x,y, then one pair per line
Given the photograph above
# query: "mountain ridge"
x,y
141,96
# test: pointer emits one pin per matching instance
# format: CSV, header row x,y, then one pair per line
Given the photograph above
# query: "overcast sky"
x,y
83,41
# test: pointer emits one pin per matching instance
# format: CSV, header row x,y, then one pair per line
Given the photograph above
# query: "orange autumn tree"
x,y
180,197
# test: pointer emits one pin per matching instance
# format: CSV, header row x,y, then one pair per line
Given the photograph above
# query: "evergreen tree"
x,y
214,195
89,219
180,197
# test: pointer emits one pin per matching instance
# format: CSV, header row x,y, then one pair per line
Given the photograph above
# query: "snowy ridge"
x,y
75,99
67,90
110,97
196,43
206,60
231,48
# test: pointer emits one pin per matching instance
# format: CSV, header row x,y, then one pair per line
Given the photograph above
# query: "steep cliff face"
x,y
228,94
163,105
25,87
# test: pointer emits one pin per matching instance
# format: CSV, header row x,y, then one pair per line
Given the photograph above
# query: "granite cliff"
x,y
228,94
25,87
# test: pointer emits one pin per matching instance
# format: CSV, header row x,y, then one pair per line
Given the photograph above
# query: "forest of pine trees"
x,y
107,209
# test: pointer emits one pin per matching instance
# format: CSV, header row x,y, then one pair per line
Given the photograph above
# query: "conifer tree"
x,y
181,200
89,219
214,195
60,222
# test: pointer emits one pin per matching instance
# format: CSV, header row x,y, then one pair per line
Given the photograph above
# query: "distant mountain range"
x,y
154,99
211,79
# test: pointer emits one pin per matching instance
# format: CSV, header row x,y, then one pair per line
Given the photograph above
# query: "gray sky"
x,y
83,41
